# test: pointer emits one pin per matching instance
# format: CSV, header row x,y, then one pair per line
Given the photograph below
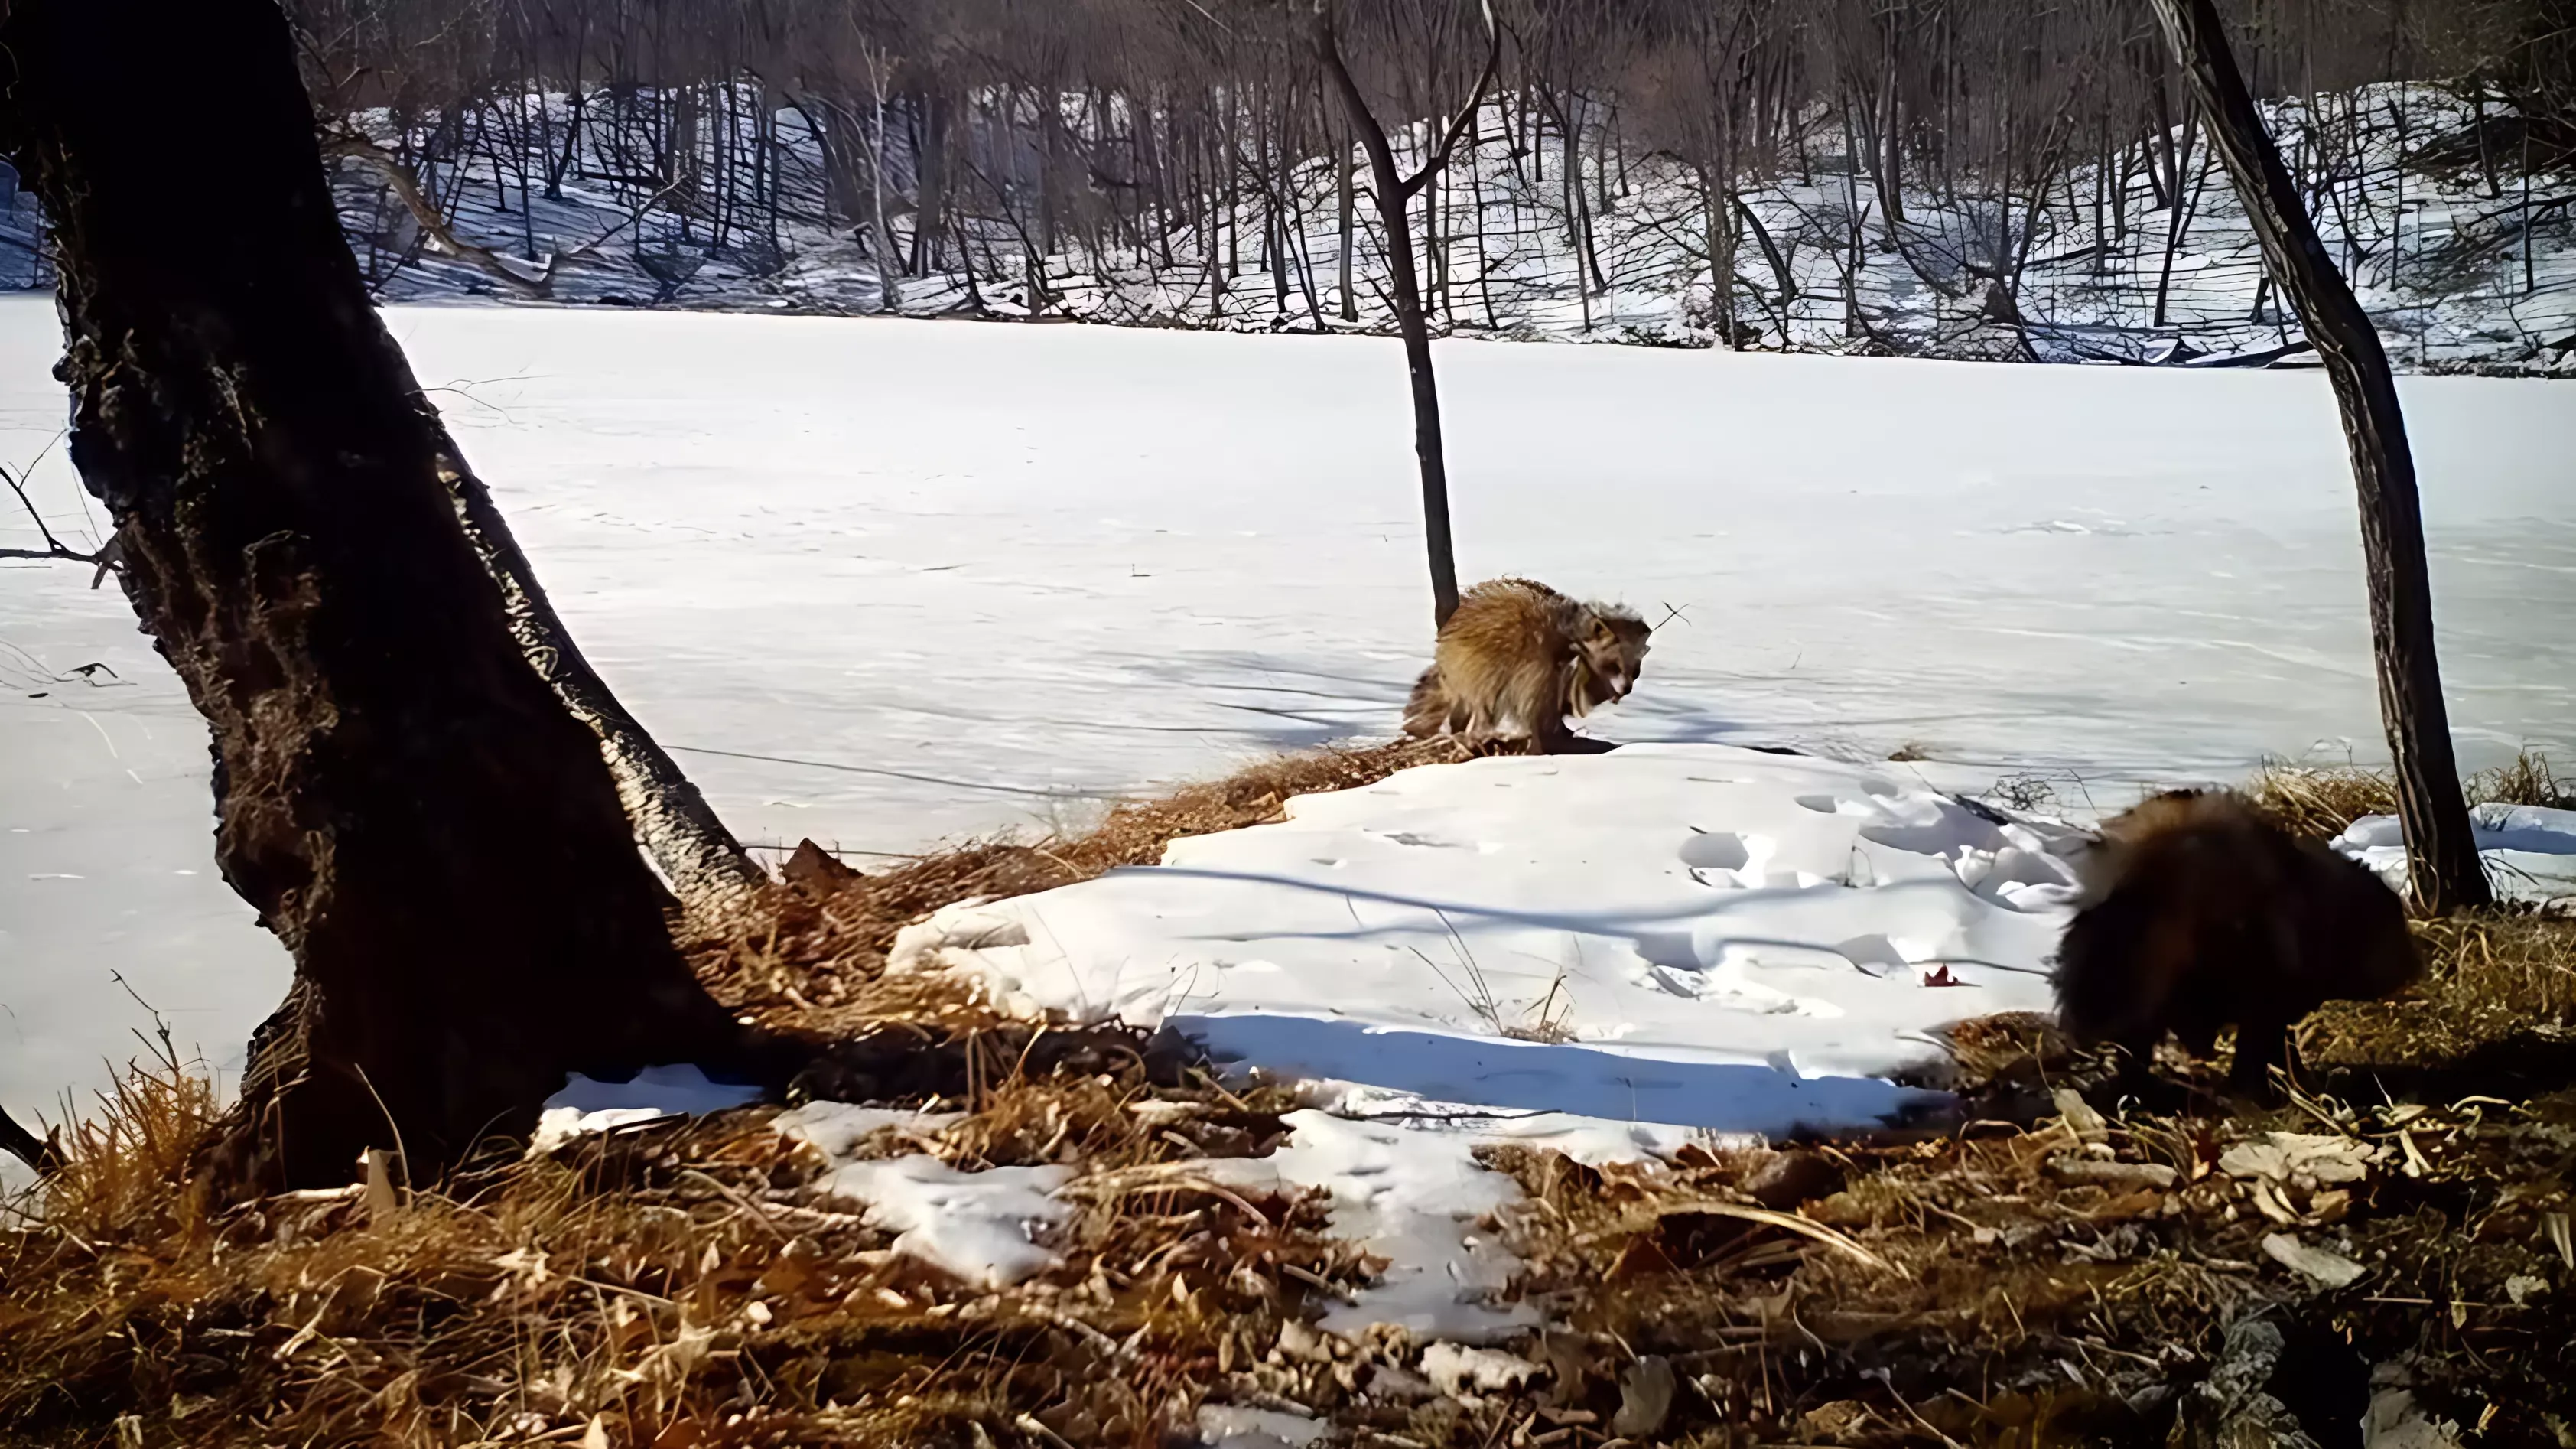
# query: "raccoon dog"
x,y
2198,913
1516,659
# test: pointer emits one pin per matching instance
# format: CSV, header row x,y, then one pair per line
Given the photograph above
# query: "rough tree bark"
x,y
1394,193
405,800
2444,872
698,858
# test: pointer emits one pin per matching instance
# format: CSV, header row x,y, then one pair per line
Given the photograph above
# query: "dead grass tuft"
x,y
2496,1010
2069,1280
2319,802
2529,780
677,1285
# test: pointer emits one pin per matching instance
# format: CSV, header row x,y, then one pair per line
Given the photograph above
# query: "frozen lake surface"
x,y
885,583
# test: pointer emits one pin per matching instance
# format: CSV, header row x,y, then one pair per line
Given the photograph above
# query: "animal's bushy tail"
x,y
1428,710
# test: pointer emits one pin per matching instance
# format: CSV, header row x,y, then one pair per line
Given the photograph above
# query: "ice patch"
x,y
976,1226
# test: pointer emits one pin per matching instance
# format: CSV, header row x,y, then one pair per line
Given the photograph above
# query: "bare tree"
x,y
1394,192
409,805
2443,867
889,286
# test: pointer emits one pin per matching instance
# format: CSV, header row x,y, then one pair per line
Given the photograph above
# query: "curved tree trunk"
x,y
407,803
696,856
2443,868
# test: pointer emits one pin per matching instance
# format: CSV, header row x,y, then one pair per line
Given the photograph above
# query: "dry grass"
x,y
2320,801
2040,1284
672,1287
2496,1010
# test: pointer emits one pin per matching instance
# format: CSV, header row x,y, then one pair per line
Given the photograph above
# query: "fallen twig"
x,y
1791,1222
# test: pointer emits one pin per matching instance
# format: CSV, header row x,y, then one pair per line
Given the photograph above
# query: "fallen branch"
x,y
406,189
1790,1222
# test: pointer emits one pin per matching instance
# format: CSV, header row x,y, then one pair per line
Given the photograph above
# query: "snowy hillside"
x,y
2465,269
884,584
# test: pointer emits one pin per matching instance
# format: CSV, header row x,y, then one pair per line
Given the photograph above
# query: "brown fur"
x,y
2199,914
1517,658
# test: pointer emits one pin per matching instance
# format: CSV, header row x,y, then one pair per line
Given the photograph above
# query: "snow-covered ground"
x,y
2530,851
1690,935
886,582
1608,955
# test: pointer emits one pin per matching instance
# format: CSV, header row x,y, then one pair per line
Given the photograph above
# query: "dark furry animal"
x,y
1517,659
2199,914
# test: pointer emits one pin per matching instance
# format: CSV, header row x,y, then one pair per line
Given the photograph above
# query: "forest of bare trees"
x,y
1013,149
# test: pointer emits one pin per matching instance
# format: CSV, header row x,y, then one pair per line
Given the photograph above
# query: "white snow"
x,y
978,1226
1456,1369
1412,1194
1696,935
921,579
1234,1427
834,1129
1229,1426
585,1106
1412,1197
981,1227
2529,850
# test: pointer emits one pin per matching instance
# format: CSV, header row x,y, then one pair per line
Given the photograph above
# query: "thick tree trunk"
x,y
692,851
405,800
2443,867
696,855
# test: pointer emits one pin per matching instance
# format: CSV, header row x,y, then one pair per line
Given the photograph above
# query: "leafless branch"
x,y
406,189
103,560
